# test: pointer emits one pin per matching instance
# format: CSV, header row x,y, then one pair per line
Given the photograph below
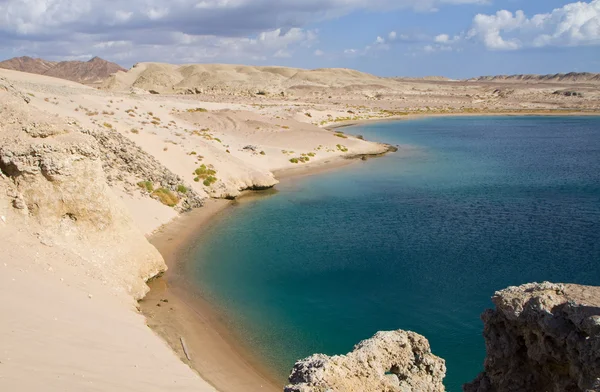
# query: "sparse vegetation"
x,y
135,130
147,185
197,110
107,125
182,189
207,174
342,148
166,197
209,181
263,153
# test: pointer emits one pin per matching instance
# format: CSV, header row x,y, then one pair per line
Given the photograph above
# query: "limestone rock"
x,y
57,185
389,361
542,337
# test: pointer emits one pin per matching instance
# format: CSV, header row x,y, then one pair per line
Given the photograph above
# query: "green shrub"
x,y
201,110
263,153
147,185
166,197
294,160
209,181
182,189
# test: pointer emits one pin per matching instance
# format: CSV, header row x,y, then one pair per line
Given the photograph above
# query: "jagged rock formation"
x,y
542,337
95,70
124,161
51,174
389,361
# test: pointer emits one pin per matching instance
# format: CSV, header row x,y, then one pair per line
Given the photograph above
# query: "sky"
x,y
453,38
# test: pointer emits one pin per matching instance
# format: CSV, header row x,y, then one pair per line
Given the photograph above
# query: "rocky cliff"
x,y
542,337
389,361
51,175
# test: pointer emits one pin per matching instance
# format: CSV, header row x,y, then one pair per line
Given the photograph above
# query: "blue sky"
x,y
455,38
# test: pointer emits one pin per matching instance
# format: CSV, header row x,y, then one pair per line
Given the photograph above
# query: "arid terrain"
x,y
89,72
88,173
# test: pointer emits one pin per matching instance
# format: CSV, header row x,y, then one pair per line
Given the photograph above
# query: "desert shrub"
x,y
147,185
166,197
311,154
182,189
294,160
108,125
285,127
135,130
217,139
261,92
196,110
263,153
342,148
155,122
308,114
209,181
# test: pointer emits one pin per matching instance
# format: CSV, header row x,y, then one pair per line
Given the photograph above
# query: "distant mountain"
x,y
571,77
93,71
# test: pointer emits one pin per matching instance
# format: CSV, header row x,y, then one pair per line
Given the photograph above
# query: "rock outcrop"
x,y
389,361
124,161
542,337
52,177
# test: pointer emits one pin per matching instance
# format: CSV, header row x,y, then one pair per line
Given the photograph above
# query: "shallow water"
x,y
417,240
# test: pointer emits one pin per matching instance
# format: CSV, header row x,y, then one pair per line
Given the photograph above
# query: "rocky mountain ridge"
x,y
93,71
571,77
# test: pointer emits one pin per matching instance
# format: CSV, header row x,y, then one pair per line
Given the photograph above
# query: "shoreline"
x,y
174,310
413,116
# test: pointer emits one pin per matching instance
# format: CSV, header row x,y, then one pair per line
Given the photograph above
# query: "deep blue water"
x,y
417,240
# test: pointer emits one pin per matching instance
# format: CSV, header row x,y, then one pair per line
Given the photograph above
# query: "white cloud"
x,y
319,53
164,29
575,24
392,35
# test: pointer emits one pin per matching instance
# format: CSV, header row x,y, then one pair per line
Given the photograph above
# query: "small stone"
x,y
90,296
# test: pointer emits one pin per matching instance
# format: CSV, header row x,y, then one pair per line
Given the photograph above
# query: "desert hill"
x,y
201,78
87,72
571,77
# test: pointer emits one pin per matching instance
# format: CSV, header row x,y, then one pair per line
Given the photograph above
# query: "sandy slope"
x,y
62,330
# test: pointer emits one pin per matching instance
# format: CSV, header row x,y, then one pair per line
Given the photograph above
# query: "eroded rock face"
x,y
53,180
542,337
389,361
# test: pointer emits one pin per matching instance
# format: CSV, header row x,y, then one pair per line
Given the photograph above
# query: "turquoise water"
x,y
417,240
